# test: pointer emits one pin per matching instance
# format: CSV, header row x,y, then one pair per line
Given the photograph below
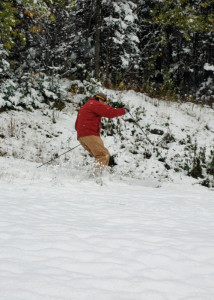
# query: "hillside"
x,y
175,141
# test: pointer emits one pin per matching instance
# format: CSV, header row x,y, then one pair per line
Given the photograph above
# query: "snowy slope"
x,y
187,133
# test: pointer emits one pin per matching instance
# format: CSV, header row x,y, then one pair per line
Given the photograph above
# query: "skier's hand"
x,y
127,108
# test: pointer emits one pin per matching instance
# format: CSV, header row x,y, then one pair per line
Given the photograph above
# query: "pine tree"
x,y
120,43
162,47
176,36
82,37
150,67
8,23
46,29
4,64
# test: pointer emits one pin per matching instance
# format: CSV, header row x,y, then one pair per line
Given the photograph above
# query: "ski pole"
x,y
58,156
141,129
161,157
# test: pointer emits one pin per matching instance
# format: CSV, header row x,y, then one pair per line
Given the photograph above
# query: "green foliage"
x,y
184,16
168,88
35,91
11,21
161,49
43,5
177,49
4,64
8,23
211,164
46,8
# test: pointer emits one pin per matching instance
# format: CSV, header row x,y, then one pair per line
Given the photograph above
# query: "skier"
x,y
88,126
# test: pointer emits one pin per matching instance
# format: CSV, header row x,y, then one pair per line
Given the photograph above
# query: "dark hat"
x,y
101,96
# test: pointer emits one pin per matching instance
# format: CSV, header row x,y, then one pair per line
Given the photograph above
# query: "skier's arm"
x,y
107,111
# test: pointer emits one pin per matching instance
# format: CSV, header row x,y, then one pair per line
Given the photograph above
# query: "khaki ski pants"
x,y
94,145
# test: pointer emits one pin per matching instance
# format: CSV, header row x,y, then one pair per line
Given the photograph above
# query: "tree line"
x,y
163,48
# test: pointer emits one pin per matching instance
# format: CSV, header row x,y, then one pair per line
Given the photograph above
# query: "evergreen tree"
x,y
105,40
4,64
120,43
82,36
46,27
162,47
150,67
8,23
178,32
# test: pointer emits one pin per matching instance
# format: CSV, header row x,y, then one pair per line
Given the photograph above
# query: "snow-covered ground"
x,y
73,239
148,235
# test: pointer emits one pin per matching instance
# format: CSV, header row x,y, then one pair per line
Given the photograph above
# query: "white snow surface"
x,y
208,67
73,239
65,237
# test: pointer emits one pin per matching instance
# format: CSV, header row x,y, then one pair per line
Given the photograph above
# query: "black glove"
x,y
127,108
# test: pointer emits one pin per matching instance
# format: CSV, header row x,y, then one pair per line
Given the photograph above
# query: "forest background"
x,y
162,48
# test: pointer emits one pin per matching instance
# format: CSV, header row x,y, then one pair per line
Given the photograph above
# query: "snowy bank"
x,y
169,142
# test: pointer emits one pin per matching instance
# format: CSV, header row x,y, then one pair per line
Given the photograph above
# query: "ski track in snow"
x,y
77,240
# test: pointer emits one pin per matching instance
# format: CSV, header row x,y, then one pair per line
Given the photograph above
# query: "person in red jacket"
x,y
88,126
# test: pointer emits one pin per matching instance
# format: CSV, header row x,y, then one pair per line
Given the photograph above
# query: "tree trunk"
x,y
97,38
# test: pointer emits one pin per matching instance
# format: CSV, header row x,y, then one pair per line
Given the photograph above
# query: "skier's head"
x,y
101,97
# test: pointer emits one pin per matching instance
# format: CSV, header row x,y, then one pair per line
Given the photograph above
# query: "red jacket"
x,y
88,121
